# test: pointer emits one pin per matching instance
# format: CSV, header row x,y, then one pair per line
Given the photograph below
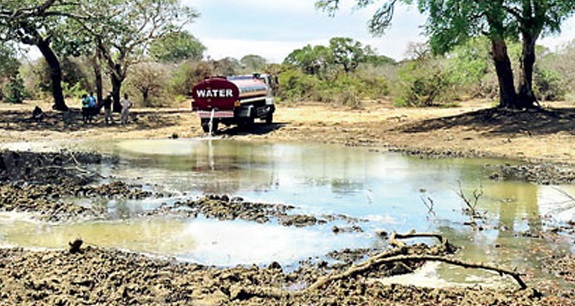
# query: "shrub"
x,y
187,75
343,90
73,91
14,91
549,85
295,85
421,84
150,79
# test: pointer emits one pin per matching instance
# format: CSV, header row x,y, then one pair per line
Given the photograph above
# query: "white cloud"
x,y
259,5
273,51
273,29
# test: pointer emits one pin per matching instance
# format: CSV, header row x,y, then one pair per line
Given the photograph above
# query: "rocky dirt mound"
x,y
39,183
61,168
222,207
543,173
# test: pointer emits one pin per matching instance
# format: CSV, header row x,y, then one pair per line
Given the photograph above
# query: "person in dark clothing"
x,y
85,108
92,105
108,109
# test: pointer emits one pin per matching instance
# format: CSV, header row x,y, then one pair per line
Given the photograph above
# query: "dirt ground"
x,y
110,277
474,128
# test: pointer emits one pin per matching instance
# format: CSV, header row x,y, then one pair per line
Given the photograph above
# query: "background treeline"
x,y
343,72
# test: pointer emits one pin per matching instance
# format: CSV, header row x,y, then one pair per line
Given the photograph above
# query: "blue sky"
x,y
274,28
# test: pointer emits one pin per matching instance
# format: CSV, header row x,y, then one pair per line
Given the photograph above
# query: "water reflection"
x,y
385,189
210,242
165,237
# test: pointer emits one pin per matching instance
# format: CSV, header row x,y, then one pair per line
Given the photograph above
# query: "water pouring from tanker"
x,y
211,123
211,154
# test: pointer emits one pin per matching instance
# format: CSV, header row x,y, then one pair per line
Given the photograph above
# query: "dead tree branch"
x,y
393,239
565,193
469,202
428,202
398,254
515,275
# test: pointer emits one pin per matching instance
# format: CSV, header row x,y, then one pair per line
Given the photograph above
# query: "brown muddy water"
x,y
384,191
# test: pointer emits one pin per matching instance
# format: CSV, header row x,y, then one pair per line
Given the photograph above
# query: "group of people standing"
x,y
91,107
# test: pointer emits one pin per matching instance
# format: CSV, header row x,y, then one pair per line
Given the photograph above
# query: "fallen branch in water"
x,y
393,239
72,168
398,254
515,275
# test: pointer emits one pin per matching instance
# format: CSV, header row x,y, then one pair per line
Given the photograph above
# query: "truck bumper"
x,y
217,114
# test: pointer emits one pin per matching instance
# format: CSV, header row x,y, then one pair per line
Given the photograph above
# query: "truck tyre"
x,y
269,118
246,123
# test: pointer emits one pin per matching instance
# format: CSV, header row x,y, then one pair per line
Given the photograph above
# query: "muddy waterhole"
x,y
362,189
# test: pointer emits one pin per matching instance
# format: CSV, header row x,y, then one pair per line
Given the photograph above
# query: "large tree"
x,y
253,63
311,59
451,22
36,23
128,30
343,52
349,53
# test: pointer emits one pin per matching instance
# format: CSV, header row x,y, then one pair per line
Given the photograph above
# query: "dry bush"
x,y
150,80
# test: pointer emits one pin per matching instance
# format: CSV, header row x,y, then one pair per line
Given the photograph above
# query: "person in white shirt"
x,y
126,105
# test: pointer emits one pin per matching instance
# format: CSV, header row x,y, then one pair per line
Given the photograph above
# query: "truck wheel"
x,y
269,118
246,123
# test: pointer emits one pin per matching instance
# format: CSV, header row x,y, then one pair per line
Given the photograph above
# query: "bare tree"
x,y
149,79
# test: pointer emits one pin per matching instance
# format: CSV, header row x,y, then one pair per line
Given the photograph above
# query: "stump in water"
x,y
75,246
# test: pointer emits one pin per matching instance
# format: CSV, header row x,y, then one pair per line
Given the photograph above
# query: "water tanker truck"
x,y
233,100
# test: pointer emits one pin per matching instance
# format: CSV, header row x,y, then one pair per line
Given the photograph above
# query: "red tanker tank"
x,y
215,93
234,100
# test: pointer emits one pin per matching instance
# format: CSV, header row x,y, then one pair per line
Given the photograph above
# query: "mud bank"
x,y
99,276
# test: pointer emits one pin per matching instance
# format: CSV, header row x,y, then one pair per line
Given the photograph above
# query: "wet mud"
x,y
100,276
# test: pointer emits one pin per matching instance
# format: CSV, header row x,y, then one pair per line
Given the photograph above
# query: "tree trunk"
x,y
116,74
98,76
507,95
116,87
145,96
527,98
55,74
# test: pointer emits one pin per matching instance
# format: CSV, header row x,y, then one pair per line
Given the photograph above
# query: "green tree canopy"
x,y
379,60
452,22
253,63
9,64
311,59
127,30
341,51
39,23
349,53
177,46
